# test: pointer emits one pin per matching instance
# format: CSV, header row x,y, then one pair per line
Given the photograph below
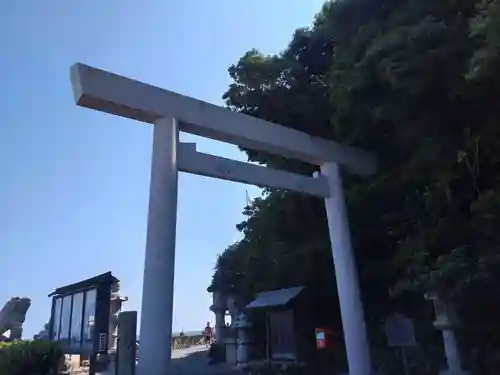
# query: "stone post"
x,y
127,343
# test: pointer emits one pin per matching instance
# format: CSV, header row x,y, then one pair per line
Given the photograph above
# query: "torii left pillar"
x,y
158,286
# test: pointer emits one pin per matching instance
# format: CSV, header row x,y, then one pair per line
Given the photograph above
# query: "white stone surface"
x,y
158,284
118,95
351,308
191,161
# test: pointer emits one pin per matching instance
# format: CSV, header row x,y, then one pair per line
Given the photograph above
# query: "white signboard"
x,y
399,331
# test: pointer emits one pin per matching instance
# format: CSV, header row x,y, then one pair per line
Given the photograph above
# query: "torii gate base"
x,y
170,113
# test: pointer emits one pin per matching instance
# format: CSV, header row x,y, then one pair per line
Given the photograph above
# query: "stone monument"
x,y
12,317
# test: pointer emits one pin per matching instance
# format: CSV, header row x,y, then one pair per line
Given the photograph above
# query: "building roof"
x,y
105,278
274,298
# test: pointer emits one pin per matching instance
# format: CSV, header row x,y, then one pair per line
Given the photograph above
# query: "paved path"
x,y
194,361
190,361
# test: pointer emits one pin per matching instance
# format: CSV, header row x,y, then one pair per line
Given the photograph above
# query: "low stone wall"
x,y
179,342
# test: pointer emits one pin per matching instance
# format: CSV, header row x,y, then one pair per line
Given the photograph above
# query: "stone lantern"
x,y
244,340
219,307
230,338
446,321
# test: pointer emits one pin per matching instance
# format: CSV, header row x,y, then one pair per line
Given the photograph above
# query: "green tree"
x,y
416,83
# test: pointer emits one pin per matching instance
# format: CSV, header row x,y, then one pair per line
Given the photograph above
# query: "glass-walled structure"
x,y
81,313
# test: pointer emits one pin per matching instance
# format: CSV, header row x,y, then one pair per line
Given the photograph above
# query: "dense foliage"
x,y
30,358
416,82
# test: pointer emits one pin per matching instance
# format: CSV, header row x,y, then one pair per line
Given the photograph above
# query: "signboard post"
x,y
400,334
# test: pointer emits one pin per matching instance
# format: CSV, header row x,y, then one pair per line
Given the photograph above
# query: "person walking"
x,y
207,333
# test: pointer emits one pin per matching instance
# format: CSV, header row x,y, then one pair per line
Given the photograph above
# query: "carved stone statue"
x,y
12,317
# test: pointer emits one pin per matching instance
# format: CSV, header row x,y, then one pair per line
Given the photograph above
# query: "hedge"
x,y
37,357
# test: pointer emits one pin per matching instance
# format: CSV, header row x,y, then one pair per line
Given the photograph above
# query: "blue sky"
x,y
74,182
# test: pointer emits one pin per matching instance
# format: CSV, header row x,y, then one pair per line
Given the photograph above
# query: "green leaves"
x,y
30,358
417,83
485,31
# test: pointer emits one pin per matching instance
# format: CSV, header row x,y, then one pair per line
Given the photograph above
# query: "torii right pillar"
x,y
351,307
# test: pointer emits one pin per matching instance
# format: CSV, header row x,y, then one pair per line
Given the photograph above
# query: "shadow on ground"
x,y
195,361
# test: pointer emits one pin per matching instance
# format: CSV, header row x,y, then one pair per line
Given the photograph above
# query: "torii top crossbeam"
x,y
108,92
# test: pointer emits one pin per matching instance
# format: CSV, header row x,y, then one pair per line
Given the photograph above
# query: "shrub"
x,y
30,358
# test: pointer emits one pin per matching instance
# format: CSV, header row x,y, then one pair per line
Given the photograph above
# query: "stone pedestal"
x,y
230,343
244,340
446,321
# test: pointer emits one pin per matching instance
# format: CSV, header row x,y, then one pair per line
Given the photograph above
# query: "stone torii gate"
x,y
170,113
